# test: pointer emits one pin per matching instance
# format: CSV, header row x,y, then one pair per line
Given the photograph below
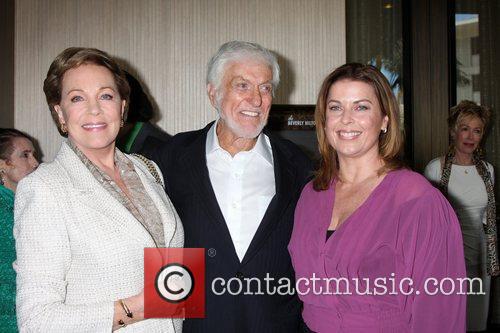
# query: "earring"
x,y
63,128
384,130
122,122
1,177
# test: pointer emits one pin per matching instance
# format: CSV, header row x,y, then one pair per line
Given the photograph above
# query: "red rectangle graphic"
x,y
174,283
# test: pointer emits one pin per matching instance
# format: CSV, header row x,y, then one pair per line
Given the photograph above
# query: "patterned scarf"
x,y
490,229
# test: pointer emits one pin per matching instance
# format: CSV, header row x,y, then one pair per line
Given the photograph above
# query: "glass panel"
x,y
374,35
467,33
478,64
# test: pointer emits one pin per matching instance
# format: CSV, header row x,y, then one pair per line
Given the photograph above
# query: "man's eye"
x,y
75,99
242,85
267,88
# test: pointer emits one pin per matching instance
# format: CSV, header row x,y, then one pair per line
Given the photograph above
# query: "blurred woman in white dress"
x,y
467,181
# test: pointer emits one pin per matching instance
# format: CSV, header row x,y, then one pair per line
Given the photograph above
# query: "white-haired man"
x,y
235,187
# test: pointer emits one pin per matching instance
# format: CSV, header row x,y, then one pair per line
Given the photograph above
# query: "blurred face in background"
x,y
20,163
468,135
91,108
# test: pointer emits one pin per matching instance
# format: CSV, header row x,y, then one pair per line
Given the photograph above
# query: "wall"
x,y
168,43
430,84
7,63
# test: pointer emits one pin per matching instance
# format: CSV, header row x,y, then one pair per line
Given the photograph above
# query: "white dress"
x,y
467,194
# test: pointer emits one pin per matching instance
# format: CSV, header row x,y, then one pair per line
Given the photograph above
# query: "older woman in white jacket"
x,y
82,221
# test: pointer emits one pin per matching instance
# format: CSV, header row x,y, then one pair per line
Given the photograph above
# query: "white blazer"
x,y
79,249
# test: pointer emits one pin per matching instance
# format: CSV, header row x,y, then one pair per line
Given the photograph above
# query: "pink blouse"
x,y
378,271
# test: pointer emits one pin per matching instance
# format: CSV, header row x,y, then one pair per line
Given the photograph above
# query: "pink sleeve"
x,y
436,250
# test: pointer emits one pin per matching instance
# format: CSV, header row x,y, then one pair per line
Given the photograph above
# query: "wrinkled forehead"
x,y
252,69
85,73
21,143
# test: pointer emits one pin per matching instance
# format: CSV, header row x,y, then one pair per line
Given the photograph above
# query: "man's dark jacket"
x,y
184,167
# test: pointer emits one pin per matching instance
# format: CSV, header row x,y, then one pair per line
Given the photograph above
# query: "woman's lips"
x,y
94,127
348,135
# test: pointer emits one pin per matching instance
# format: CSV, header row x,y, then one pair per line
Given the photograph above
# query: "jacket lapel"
x,y
285,178
171,221
91,194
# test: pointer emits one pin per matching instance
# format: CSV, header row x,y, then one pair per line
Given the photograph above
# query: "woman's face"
x,y
90,107
468,135
20,163
353,119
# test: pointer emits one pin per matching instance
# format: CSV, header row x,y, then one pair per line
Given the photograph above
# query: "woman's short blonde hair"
x,y
390,143
467,110
74,57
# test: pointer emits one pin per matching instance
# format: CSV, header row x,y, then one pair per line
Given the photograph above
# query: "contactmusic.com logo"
x,y
174,283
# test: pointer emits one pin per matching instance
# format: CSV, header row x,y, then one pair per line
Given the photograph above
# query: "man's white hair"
x,y
236,51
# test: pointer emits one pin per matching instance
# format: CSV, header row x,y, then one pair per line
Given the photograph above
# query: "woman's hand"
x,y
137,303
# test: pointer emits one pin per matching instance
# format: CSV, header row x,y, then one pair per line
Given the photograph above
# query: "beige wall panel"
x,y
167,44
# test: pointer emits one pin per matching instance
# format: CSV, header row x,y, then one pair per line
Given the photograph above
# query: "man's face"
x,y
244,98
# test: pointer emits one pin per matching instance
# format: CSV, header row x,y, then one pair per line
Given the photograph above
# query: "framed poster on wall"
x,y
295,123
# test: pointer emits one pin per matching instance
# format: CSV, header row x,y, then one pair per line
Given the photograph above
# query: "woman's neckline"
x,y
370,197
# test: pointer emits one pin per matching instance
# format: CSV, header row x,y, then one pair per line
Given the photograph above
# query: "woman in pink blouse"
x,y
375,247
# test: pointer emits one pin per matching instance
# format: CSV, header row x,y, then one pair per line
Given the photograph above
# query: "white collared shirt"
x,y
243,185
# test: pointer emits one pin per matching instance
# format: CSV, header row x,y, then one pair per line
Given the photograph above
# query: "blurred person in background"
x,y
138,134
466,179
17,160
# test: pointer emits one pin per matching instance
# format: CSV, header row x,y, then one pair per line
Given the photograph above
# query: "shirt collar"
x,y
262,146
212,143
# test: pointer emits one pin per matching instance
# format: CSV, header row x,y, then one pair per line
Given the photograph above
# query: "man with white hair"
x,y
235,187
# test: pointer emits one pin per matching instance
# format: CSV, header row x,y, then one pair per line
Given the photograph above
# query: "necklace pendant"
x,y
466,171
